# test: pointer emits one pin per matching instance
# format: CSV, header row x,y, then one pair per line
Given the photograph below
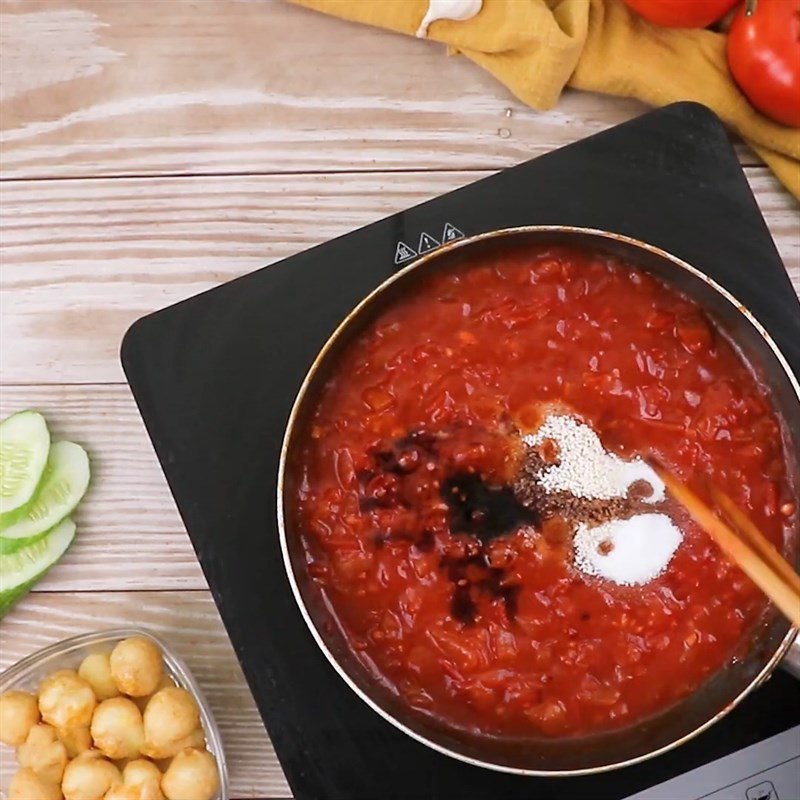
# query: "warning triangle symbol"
x,y
451,233
426,242
403,253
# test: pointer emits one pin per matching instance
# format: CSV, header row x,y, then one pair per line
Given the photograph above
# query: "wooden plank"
x,y
130,535
224,86
187,620
82,259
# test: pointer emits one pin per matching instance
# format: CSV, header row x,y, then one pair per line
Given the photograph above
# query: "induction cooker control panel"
x,y
768,770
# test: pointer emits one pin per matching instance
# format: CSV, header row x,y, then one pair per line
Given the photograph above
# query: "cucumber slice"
x,y
8,546
24,444
20,570
63,484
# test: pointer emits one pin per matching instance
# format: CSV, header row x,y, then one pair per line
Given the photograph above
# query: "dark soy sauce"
x,y
485,512
475,509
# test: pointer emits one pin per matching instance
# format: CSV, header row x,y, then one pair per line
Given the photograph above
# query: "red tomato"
x,y
682,13
764,57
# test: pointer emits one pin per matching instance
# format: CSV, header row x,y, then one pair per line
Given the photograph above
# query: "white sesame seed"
x,y
584,468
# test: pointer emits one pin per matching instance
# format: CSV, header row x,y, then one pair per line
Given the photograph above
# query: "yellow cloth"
x,y
536,47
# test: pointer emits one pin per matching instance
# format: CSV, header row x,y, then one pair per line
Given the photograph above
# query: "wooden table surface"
x,y
151,150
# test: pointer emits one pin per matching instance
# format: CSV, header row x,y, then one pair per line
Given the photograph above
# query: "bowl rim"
x,y
321,356
175,663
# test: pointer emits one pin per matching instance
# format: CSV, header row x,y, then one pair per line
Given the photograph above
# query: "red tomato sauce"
x,y
505,636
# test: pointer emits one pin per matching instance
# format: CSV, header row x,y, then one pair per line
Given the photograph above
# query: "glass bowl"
x,y
27,674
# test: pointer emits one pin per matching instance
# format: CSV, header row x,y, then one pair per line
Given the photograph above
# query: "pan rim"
x,y
356,311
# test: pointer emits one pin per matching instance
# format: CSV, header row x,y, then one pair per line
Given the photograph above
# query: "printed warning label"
x,y
451,233
426,243
403,253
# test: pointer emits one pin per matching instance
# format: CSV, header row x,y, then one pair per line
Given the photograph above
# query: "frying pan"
x,y
770,640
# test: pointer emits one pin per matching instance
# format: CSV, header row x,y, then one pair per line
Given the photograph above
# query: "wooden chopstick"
x,y
753,536
744,543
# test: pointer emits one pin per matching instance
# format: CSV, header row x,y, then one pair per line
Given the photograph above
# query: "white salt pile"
x,y
627,551
584,468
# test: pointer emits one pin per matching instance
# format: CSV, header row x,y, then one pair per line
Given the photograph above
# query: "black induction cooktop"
x,y
215,377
